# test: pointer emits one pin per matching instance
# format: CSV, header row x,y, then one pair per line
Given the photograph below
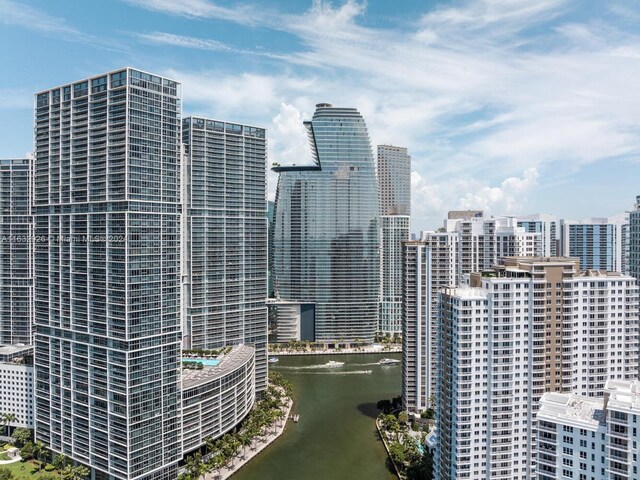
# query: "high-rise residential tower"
x,y
394,180
225,237
590,438
531,326
547,226
599,243
428,265
107,273
394,192
483,241
16,252
394,229
634,240
326,228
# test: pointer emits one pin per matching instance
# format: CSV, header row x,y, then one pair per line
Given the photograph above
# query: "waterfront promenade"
x,y
257,445
392,348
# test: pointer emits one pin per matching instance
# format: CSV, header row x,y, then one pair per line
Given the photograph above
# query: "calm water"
x,y
336,437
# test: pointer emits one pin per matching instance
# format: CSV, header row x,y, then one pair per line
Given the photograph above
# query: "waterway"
x,y
336,437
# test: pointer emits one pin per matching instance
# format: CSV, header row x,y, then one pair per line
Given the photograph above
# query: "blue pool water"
x,y
207,362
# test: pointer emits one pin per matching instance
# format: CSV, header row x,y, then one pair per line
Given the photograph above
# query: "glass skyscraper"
x,y
107,273
16,265
326,228
225,237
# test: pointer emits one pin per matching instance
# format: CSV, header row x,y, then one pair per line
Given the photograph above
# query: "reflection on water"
x,y
335,438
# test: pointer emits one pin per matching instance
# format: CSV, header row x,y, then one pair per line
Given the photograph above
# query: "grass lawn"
x,y
26,470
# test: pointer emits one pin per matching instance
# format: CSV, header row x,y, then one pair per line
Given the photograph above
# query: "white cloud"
x,y
13,13
468,89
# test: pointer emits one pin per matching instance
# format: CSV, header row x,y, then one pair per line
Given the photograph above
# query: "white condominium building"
x,y
530,326
586,438
394,229
599,243
483,241
16,384
429,264
547,226
394,180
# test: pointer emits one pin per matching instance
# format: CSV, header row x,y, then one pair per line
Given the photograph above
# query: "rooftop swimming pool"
x,y
207,362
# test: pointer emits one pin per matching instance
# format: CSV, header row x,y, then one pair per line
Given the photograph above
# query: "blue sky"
x,y
512,106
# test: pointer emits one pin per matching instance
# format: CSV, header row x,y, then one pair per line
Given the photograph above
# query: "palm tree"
x,y
245,440
79,473
38,452
60,461
9,418
194,465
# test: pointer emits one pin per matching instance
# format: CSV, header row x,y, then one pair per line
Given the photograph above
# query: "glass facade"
x,y
225,237
16,237
326,228
107,273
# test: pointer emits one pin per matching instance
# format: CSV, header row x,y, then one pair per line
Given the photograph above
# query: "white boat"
x,y
333,364
273,359
388,361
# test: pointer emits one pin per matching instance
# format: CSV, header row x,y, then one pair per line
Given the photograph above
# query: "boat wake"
x,y
339,372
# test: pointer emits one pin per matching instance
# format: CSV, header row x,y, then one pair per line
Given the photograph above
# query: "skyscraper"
x,y
326,228
394,192
16,253
107,273
428,265
394,180
394,229
599,243
634,240
531,326
225,237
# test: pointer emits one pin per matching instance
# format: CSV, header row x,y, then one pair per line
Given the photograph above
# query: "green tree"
x,y
384,405
60,462
48,476
39,452
396,451
193,465
403,417
79,472
27,451
21,436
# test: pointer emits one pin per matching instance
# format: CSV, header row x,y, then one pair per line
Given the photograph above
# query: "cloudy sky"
x,y
513,106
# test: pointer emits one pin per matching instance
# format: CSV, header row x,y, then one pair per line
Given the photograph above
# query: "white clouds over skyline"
x,y
496,100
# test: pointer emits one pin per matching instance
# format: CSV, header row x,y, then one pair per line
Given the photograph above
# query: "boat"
x,y
333,364
273,360
388,361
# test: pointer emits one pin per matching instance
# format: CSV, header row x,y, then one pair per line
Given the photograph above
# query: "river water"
x,y
336,437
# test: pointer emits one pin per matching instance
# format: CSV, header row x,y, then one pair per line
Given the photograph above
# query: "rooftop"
x,y
228,363
587,411
623,394
11,352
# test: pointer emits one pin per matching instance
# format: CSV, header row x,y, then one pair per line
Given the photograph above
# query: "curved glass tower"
x,y
326,221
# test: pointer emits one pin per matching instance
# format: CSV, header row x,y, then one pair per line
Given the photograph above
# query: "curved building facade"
x,y
217,398
326,228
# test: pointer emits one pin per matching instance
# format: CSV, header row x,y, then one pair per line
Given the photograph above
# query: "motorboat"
x,y
388,361
273,360
333,363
